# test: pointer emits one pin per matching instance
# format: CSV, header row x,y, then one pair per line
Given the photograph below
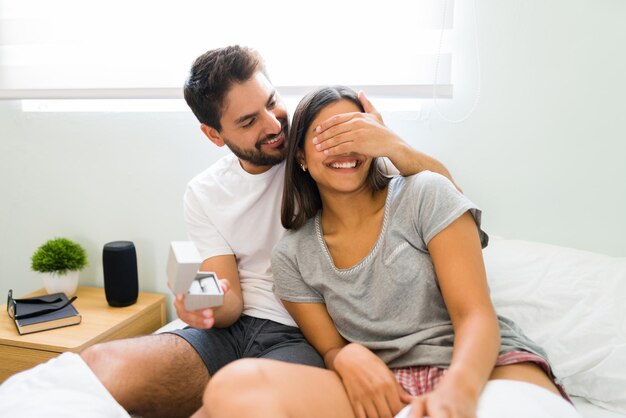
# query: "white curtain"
x,y
144,48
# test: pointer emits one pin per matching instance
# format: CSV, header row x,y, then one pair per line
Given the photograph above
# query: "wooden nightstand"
x,y
100,322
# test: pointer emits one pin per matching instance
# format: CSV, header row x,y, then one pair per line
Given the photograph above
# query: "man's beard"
x,y
256,156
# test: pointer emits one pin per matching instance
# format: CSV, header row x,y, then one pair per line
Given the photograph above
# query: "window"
x,y
142,49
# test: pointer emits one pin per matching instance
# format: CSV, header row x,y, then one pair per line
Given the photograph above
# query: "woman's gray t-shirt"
x,y
390,301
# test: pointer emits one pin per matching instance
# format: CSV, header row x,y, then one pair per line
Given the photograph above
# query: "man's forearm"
x,y
230,311
410,161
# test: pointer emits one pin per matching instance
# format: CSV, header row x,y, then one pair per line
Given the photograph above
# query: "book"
x,y
53,313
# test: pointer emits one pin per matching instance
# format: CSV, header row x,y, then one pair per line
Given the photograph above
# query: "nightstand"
x,y
100,322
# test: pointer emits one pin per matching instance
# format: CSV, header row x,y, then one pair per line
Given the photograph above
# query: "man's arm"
x,y
225,266
366,133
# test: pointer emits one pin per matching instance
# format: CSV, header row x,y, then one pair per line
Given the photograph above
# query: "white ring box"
x,y
201,288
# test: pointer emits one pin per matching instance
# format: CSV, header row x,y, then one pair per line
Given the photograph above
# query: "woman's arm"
x,y
370,385
457,257
318,328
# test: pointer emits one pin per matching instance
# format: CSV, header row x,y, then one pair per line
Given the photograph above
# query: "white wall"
x,y
543,154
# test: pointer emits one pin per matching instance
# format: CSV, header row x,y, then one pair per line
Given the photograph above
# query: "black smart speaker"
x,y
121,284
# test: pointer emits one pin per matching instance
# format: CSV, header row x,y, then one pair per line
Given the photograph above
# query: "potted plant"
x,y
59,260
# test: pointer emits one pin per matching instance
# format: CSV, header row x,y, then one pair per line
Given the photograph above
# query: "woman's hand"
x,y
449,400
204,318
371,387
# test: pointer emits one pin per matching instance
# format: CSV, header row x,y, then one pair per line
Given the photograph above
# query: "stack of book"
x,y
41,313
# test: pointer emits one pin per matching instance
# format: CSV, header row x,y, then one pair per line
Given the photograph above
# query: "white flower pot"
x,y
65,283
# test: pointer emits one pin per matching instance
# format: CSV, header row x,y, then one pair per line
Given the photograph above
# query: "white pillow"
x,y
573,304
64,387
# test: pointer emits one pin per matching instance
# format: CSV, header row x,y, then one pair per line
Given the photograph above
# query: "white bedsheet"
x,y
511,399
589,410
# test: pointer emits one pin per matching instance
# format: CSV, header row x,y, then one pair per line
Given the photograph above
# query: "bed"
x,y
571,302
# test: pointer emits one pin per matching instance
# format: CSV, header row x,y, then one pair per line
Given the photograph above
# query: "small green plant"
x,y
59,255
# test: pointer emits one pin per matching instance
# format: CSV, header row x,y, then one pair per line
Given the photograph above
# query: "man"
x,y
232,211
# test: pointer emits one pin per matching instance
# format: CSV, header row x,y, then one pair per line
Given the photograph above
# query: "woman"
x,y
386,280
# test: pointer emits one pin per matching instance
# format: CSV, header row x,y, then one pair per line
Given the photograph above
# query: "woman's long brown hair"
x,y
301,197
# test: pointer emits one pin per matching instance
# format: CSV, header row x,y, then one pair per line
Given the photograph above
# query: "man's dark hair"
x,y
211,77
301,197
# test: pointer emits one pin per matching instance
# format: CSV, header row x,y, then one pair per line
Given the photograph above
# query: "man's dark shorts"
x,y
250,337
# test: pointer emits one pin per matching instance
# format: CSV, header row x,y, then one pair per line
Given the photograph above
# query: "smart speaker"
x,y
119,261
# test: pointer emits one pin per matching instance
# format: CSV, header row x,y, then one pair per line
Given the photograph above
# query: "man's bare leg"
x,y
151,376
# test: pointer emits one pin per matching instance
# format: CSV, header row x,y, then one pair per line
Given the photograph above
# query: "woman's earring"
x,y
302,167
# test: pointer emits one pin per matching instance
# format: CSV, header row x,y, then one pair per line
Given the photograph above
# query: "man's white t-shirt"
x,y
230,211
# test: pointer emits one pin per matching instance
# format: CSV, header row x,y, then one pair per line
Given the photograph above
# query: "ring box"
x,y
200,288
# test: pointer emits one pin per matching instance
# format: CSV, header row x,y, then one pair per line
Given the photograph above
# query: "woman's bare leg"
x,y
268,388
525,372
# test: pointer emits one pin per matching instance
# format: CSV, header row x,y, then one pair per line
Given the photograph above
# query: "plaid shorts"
x,y
423,379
